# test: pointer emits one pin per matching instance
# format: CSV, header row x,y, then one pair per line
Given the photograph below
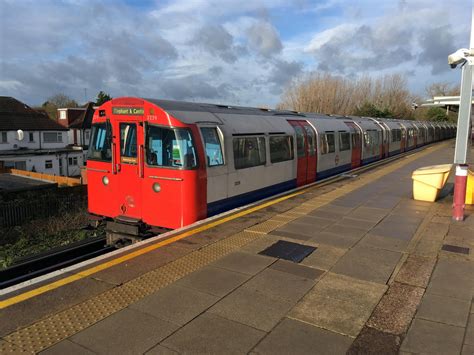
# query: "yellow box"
x,y
470,188
429,181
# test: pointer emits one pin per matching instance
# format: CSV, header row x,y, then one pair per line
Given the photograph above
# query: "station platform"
x,y
380,273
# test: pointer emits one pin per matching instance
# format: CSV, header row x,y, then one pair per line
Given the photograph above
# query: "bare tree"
x,y
325,93
442,89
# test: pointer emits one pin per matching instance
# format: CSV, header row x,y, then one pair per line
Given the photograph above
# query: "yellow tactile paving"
x,y
57,327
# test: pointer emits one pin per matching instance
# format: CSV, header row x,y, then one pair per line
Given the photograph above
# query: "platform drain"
x,y
289,251
455,249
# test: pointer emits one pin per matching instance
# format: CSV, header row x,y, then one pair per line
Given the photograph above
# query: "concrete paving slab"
x,y
321,213
211,334
244,263
345,231
212,280
467,349
136,267
369,214
357,223
347,202
339,303
445,310
324,258
297,269
386,202
298,230
175,304
28,311
342,241
332,208
396,309
377,241
113,335
427,248
373,341
453,278
416,271
395,229
67,347
366,263
433,338
161,350
280,284
469,336
257,309
318,222
295,337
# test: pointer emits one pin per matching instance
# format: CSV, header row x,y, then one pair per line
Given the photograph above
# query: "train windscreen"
x,y
173,148
100,147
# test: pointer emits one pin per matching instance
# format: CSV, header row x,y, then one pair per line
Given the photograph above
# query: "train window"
x,y
128,143
396,135
299,141
213,146
328,144
344,141
330,138
281,148
249,151
172,148
101,142
311,137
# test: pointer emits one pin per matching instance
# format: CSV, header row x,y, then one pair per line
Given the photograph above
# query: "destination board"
x,y
134,111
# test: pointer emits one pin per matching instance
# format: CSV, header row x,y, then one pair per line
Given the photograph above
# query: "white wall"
x,y
35,144
39,163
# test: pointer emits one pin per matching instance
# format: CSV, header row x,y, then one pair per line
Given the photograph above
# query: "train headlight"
x,y
156,187
105,180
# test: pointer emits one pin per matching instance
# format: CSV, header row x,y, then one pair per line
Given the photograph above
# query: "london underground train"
x,y
166,164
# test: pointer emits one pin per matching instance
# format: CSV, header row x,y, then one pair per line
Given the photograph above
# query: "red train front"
x,y
145,166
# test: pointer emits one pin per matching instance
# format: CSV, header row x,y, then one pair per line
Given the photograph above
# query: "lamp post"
x,y
464,57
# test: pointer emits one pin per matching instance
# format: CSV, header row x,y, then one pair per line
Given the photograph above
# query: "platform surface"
x,y
388,275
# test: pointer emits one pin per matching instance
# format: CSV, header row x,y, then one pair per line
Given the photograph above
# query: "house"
x,y
29,140
78,120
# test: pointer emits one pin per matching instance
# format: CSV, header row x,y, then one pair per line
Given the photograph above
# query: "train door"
x,y
306,152
356,142
128,148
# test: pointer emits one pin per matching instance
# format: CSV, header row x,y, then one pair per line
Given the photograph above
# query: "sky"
x,y
232,52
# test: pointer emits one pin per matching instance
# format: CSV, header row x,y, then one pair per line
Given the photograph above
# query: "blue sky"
x,y
228,51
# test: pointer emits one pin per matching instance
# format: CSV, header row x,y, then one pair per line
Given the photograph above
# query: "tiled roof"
x,y
85,119
15,115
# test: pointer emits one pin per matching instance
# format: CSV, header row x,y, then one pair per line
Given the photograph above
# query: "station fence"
x,y
60,180
15,213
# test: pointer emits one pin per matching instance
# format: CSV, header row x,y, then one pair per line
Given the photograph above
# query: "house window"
x,y
31,137
52,137
62,114
3,137
72,161
48,164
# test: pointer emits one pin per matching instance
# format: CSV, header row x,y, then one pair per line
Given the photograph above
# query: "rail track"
x,y
55,259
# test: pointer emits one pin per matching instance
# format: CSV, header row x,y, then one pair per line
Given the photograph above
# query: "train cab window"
x,y
311,137
100,147
128,143
344,141
213,146
171,148
249,152
281,148
299,141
